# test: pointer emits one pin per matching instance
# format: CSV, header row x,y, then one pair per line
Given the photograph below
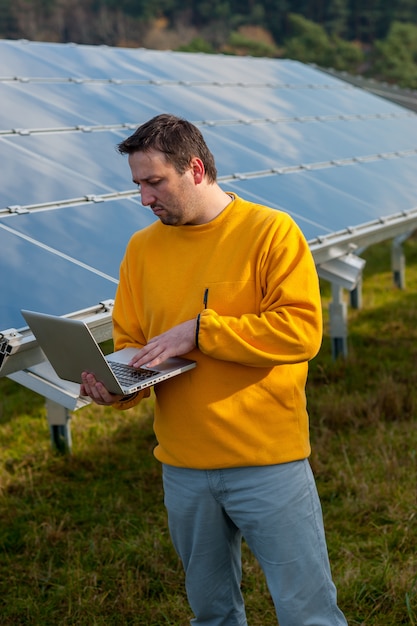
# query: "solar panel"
x,y
284,134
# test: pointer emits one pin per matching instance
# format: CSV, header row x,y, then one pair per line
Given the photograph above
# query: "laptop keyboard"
x,y
128,375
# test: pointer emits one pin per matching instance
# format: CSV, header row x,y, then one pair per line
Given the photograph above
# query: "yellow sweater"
x,y
244,404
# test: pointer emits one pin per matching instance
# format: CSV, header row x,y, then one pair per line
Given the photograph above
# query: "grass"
x,y
84,539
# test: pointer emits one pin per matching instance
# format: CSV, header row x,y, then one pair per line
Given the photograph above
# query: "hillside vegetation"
x,y
375,39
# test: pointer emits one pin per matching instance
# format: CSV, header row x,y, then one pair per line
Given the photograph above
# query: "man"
x,y
232,285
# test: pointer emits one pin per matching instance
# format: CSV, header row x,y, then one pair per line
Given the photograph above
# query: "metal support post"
x,y
338,322
356,295
61,399
59,418
398,261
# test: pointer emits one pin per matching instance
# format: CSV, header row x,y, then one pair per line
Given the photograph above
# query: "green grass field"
x,y
83,537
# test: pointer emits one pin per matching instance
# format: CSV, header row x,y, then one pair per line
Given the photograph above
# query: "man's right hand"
x,y
177,341
97,391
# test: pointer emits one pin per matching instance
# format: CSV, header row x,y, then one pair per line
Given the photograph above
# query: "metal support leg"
x,y
398,262
338,322
356,295
59,424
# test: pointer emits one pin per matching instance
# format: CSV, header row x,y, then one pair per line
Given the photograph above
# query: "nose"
x,y
146,196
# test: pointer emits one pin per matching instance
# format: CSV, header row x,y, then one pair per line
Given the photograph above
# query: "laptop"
x,y
71,349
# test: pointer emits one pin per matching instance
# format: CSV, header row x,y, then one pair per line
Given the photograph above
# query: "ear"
x,y
198,170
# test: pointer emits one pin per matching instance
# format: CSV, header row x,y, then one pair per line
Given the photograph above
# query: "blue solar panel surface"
x,y
283,134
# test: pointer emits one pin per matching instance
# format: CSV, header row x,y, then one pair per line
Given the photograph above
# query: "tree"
x,y
335,14
344,55
395,58
198,44
8,24
310,43
307,41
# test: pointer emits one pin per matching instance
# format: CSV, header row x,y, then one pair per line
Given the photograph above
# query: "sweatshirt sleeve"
x,y
126,332
287,328
130,401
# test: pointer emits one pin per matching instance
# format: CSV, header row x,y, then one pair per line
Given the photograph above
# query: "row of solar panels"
x,y
343,162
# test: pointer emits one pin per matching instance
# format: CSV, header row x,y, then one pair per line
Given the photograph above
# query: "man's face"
x,y
170,195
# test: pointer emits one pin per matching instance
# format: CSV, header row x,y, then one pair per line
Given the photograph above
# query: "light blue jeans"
x,y
277,510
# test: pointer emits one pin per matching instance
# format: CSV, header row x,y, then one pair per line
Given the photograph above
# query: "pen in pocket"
x,y
205,298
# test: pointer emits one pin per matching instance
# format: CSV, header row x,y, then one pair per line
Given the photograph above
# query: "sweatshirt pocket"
x,y
233,298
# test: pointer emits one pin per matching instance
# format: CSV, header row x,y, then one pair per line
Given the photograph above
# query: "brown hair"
x,y
178,139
